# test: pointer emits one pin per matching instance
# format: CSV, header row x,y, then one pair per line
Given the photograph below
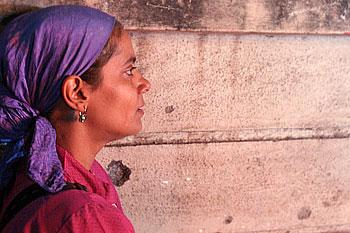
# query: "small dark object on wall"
x,y
304,213
228,220
169,109
118,172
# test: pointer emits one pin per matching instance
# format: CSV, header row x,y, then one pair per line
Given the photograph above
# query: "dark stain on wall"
x,y
143,49
334,200
180,14
241,13
12,9
316,14
118,172
228,220
229,12
281,10
299,15
304,213
336,14
201,41
329,14
169,109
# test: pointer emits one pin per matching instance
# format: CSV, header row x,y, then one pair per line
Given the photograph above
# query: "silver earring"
x,y
83,115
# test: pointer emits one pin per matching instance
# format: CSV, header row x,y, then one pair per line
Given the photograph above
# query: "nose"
x,y
147,85
144,85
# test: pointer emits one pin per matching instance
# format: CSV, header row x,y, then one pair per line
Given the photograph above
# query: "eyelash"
x,y
129,71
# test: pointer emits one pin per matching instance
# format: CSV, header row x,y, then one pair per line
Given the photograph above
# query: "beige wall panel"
x,y
291,186
209,87
242,16
226,82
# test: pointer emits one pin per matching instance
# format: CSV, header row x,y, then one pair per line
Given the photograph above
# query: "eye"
x,y
129,71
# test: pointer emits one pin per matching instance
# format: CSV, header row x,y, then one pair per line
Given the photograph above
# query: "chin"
x,y
136,131
130,132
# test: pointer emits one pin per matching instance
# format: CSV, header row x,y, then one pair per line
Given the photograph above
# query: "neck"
x,y
80,139
76,139
82,148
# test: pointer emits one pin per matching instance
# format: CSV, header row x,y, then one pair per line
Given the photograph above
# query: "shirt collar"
x,y
96,179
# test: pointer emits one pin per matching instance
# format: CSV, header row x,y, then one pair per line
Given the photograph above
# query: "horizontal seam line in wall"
x,y
298,227
238,33
242,135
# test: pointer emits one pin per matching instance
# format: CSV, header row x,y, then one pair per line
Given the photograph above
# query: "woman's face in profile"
x,y
115,107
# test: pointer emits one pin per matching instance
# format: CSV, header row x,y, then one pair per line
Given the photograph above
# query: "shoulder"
x,y
70,201
77,202
70,211
97,217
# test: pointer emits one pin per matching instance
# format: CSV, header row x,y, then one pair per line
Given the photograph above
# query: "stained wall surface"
x,y
247,125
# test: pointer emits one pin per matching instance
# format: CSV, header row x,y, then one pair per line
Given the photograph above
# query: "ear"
x,y
76,93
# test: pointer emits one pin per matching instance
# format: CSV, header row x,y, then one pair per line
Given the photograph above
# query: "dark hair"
x,y
92,75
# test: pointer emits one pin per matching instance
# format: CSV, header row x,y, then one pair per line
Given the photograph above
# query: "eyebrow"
x,y
130,60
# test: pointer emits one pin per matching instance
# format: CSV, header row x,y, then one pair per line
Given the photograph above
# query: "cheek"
x,y
122,100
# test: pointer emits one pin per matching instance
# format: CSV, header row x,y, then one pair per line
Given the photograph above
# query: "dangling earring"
x,y
83,115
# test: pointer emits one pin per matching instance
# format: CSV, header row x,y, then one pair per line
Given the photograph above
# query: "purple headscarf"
x,y
37,51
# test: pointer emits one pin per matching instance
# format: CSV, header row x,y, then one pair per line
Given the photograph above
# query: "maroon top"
x,y
98,210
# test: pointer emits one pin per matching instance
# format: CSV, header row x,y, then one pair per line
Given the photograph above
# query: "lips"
x,y
141,106
140,109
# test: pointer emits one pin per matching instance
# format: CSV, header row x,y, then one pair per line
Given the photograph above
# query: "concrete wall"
x,y
247,125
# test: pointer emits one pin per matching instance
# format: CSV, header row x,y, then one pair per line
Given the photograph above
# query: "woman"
x,y
68,86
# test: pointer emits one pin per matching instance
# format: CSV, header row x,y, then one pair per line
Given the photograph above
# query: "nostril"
x,y
147,87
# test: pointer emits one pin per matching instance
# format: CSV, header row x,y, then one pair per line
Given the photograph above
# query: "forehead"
x,y
125,50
